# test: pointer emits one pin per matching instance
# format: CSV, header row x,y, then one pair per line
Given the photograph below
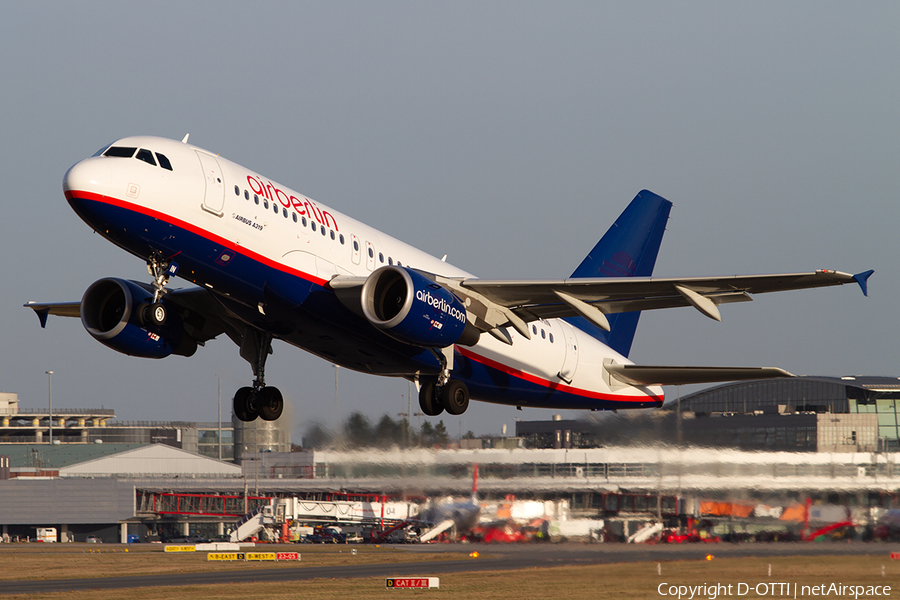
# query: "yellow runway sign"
x,y
225,556
261,556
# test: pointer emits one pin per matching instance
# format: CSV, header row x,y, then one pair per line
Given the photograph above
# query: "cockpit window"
x,y
146,156
163,161
120,152
100,151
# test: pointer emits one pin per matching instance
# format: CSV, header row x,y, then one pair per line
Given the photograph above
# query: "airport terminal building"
x,y
800,414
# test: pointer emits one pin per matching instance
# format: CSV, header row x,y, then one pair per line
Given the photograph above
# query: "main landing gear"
x,y
443,394
453,397
259,400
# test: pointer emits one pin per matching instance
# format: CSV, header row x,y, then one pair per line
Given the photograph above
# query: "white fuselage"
x,y
244,212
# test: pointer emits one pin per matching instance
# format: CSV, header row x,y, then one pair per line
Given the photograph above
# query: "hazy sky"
x,y
508,135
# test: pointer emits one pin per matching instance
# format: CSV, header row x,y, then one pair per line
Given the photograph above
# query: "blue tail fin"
x,y
628,249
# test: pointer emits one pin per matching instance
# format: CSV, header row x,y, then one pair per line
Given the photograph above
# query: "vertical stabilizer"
x,y
628,249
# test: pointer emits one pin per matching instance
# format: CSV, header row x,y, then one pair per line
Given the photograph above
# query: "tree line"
x,y
357,431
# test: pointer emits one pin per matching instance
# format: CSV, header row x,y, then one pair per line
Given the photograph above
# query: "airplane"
x,y
271,263
441,516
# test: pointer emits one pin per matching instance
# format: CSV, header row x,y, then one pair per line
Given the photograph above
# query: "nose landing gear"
x,y
160,269
259,400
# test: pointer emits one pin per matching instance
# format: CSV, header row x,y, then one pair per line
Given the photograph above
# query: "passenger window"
x,y
237,191
275,208
322,229
543,334
303,220
146,156
163,161
551,338
294,216
390,260
534,330
341,237
284,212
246,195
371,253
255,198
332,234
380,257
120,152
313,225
356,245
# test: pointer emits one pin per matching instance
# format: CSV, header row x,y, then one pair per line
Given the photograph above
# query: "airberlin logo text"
x,y
304,206
441,304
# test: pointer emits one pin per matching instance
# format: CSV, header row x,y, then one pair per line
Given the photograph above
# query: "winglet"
x,y
42,314
862,279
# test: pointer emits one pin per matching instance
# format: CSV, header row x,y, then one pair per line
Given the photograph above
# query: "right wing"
x,y
203,317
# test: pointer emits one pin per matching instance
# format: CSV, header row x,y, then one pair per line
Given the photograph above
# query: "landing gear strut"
x,y
259,400
160,269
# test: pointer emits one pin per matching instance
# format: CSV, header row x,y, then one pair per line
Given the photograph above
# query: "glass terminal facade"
x,y
809,395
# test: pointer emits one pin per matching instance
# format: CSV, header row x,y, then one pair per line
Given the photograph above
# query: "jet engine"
x,y
411,308
115,313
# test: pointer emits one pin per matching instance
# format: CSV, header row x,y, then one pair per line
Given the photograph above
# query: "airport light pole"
x,y
219,438
337,413
50,413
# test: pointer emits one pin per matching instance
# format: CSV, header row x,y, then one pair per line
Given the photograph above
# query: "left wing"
x,y
492,305
594,298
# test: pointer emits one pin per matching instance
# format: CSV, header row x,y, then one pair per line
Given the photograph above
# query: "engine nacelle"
x,y
111,312
411,308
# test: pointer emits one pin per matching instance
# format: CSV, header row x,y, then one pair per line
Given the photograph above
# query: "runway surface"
x,y
501,558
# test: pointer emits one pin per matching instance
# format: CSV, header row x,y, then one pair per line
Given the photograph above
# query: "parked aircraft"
x,y
443,515
271,263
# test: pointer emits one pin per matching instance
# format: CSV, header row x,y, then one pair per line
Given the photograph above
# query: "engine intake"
x,y
411,308
111,312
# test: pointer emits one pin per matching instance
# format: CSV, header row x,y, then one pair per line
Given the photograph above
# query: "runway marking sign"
x,y
247,556
288,556
224,556
261,556
412,582
181,548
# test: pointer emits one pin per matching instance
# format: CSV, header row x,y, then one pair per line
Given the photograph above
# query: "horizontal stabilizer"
x,y
656,375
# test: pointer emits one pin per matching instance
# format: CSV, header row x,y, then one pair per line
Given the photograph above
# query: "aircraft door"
x,y
214,198
570,363
370,256
354,245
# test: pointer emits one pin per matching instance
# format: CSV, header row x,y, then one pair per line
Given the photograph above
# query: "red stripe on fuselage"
x,y
554,385
149,212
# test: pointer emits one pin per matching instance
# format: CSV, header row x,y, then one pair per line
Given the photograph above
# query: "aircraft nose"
x,y
90,175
